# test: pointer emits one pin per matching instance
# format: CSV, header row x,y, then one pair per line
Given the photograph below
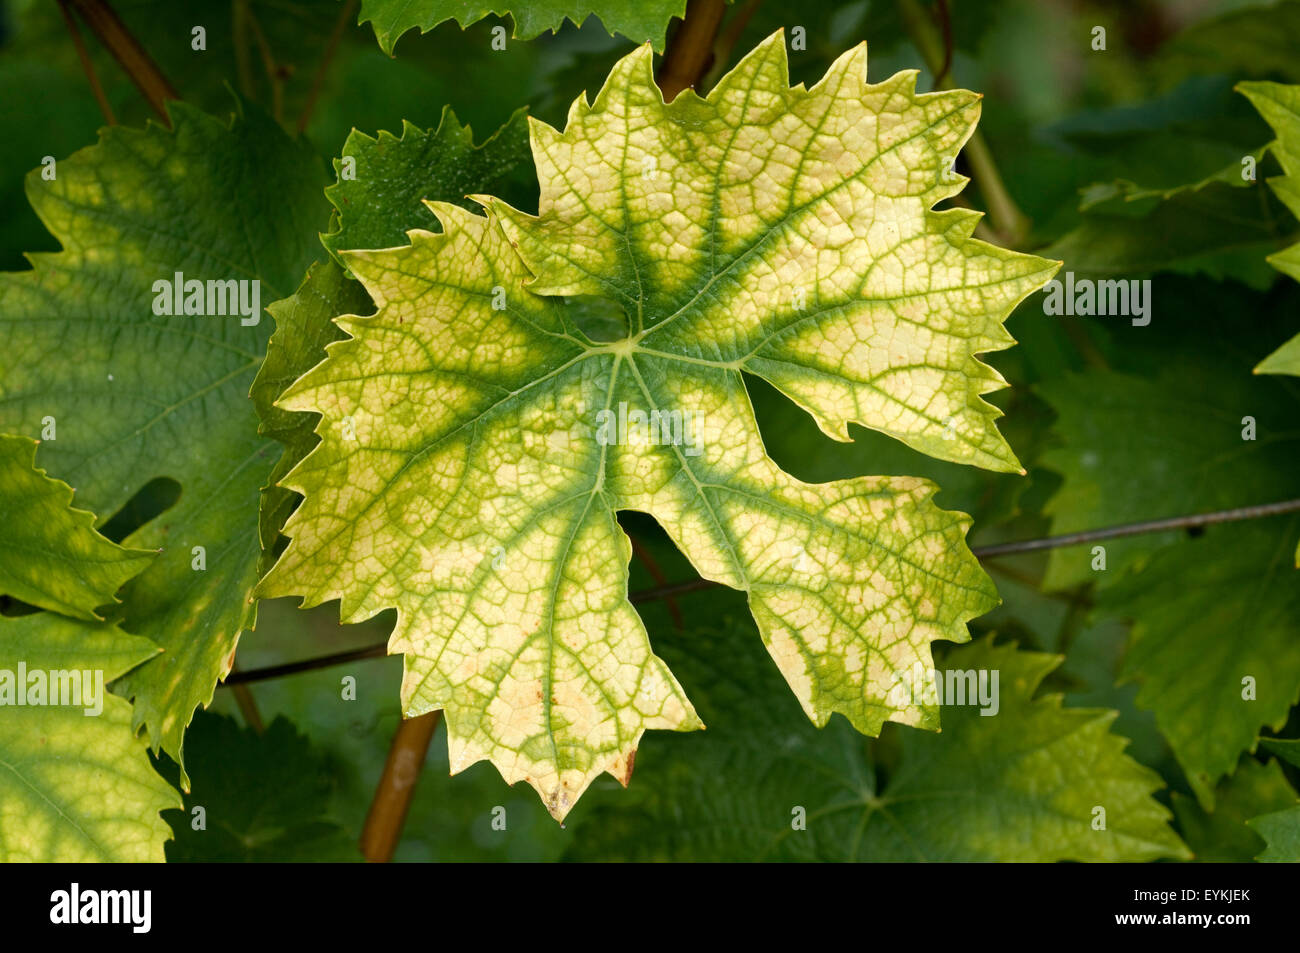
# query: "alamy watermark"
x,y
74,688
676,428
1084,296
211,298
131,907
920,685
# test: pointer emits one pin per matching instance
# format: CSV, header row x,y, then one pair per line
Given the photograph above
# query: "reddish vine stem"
x,y
945,26
1009,222
687,57
387,816
331,47
128,52
248,707
380,649
84,55
727,39
658,576
274,71
239,30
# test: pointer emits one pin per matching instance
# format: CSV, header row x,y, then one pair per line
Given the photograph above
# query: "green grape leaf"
x,y
1280,106
1169,190
265,797
1259,40
50,554
1224,835
642,21
381,198
1118,193
76,784
1019,785
475,436
1288,749
164,395
1285,360
1137,155
1281,831
1212,693
1211,228
1133,448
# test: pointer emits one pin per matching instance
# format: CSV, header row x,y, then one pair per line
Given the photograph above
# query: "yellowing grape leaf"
x,y
481,430
50,554
75,782
1280,106
303,328
373,210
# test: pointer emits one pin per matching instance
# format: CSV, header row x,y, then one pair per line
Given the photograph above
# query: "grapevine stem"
x,y
243,61
128,52
248,708
86,64
331,48
686,58
274,73
376,650
726,42
1192,521
383,828
945,22
657,574
1137,529
1009,222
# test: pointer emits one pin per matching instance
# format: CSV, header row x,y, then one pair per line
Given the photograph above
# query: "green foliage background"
x,y
1126,163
